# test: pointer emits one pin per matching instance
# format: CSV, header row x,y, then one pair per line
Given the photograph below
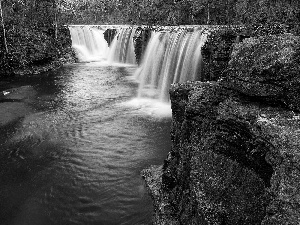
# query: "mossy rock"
x,y
268,69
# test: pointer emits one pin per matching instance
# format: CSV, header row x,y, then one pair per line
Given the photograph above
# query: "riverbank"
x,y
34,51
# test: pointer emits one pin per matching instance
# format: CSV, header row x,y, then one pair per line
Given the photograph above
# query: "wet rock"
x,y
109,35
141,39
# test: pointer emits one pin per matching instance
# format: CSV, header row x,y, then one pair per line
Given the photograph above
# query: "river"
x,y
76,156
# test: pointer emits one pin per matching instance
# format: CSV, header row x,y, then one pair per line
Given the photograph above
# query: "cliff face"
x,y
235,142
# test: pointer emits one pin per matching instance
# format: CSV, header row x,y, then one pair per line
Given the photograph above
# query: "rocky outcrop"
x,y
235,142
267,68
217,50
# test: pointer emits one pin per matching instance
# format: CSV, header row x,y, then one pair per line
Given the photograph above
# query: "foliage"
x,y
175,12
149,12
33,42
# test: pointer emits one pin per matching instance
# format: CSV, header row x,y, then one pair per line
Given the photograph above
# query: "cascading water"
x,y
122,47
170,57
89,43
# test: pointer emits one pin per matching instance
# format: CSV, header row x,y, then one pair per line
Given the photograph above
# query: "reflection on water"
x,y
77,158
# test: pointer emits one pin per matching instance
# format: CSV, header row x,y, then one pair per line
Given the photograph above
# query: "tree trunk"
x,y
56,6
56,26
208,13
227,12
3,28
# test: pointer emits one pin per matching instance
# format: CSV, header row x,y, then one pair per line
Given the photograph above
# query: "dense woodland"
x,y
175,12
150,12
29,26
47,14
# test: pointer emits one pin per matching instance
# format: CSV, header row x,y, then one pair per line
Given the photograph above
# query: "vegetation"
x,y
174,12
30,37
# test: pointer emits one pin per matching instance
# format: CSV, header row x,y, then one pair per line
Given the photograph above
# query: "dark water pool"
x,y
76,157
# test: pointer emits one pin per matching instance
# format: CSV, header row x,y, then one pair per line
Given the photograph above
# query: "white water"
x,y
122,47
170,57
88,43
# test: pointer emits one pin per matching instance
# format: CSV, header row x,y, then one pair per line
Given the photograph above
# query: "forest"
x,y
49,13
168,12
37,26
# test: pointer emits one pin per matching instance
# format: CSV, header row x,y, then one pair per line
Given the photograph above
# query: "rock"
x,y
232,161
217,49
283,128
109,35
141,39
162,208
218,178
267,69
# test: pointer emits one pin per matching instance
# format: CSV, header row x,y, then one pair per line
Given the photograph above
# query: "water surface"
x,y
76,157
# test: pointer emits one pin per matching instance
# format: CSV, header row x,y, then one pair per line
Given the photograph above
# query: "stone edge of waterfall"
x,y
235,142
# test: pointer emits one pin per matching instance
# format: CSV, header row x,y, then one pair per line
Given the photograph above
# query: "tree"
x,y
3,28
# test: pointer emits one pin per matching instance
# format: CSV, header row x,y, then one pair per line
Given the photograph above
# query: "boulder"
x,y
266,69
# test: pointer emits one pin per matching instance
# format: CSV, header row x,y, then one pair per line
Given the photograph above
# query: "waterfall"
x,y
170,57
122,47
89,43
